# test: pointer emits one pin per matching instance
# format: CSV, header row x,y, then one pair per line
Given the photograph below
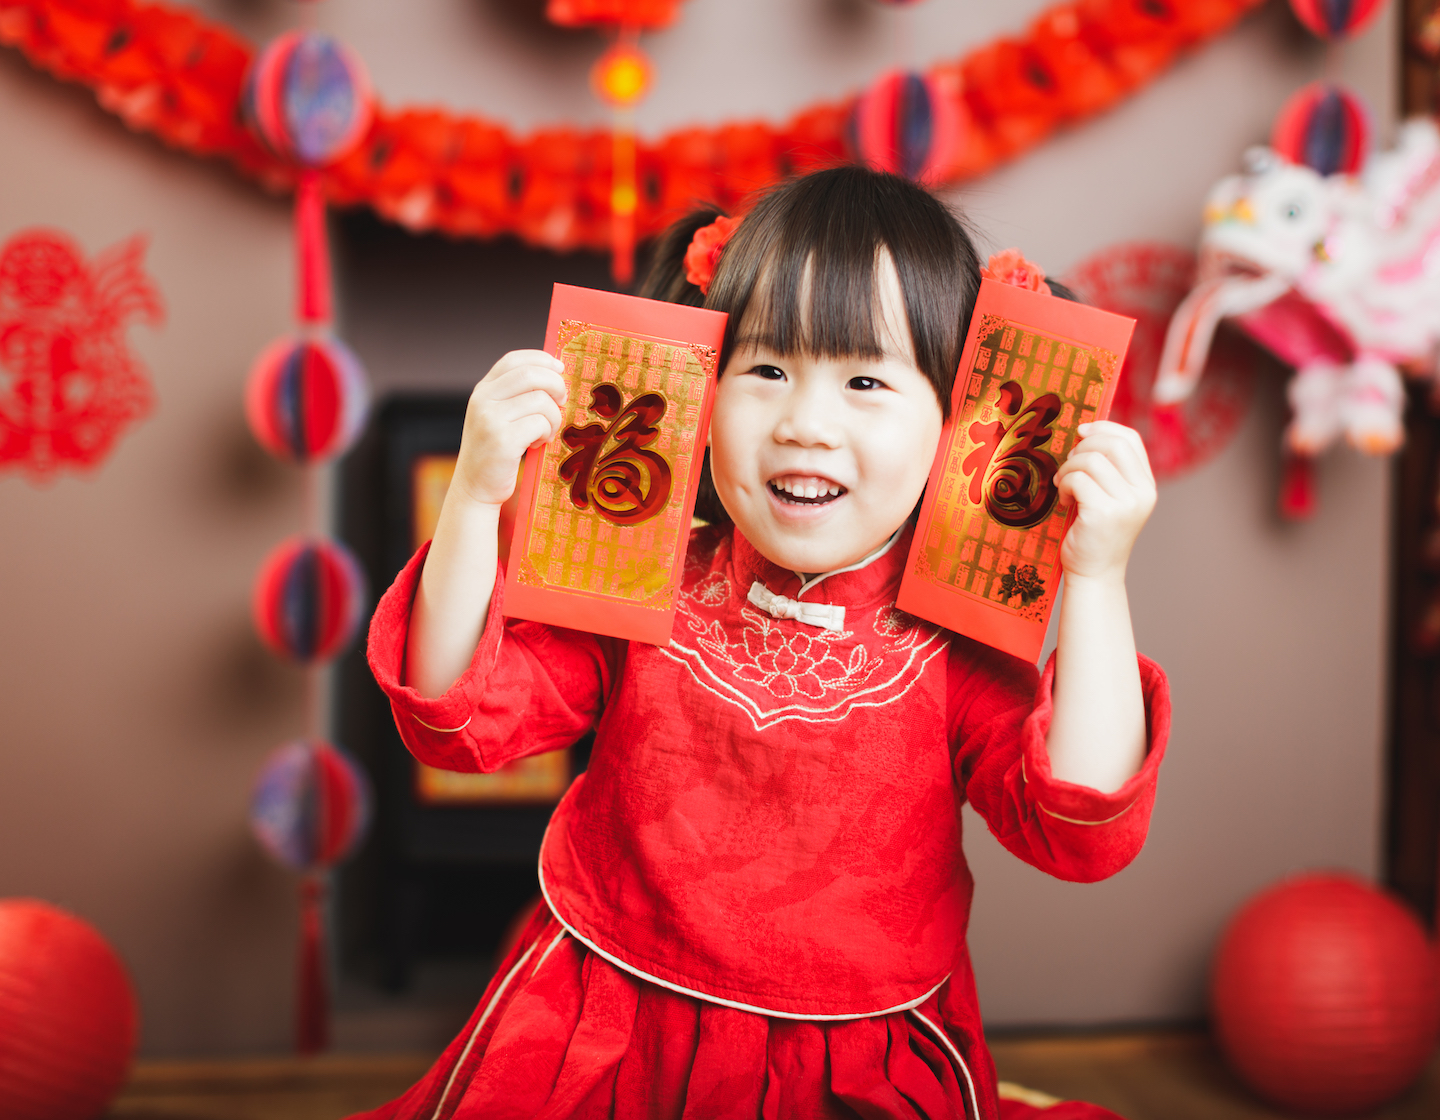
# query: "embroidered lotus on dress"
x,y
786,659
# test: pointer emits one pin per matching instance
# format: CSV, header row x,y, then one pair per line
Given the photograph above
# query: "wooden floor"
x,y
1149,1076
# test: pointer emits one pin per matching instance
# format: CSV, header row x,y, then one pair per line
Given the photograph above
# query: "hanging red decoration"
x,y
1336,19
621,76
69,384
309,600
306,399
310,809
906,125
68,1017
1325,127
165,71
1324,995
644,14
308,98
1146,281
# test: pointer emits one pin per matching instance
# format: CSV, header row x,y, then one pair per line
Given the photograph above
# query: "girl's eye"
x,y
769,373
864,383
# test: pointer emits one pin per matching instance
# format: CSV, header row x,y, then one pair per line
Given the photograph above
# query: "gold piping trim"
x,y
442,730
1071,820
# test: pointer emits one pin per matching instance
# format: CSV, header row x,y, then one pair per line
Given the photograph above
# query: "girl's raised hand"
x,y
1108,475
514,407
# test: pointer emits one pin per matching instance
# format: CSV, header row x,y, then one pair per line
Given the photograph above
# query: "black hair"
x,y
829,229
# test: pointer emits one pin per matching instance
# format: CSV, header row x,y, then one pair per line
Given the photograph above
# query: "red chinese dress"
x,y
757,898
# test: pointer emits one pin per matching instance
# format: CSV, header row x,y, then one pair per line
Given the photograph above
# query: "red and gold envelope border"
x,y
1020,631
572,311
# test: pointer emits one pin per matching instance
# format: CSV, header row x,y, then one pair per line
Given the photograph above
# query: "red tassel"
x,y
312,1017
312,251
1297,488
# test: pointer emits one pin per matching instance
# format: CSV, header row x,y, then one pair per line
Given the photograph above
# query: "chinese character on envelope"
x,y
985,560
604,512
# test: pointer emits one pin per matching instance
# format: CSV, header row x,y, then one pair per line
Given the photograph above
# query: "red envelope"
x,y
604,510
985,560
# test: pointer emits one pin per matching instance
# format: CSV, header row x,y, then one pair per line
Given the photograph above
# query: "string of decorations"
x,y
167,72
307,101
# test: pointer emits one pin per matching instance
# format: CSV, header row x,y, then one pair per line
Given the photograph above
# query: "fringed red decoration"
x,y
312,1009
1297,488
165,71
646,14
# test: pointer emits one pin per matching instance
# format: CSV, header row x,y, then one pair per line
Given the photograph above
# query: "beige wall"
x,y
135,705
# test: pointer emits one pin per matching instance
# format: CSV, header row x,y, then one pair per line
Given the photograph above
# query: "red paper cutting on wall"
x,y
68,382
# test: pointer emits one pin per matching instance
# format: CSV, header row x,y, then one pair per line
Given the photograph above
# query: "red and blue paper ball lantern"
x,y
307,398
1324,995
308,599
310,806
904,124
1324,127
68,1015
1336,19
308,98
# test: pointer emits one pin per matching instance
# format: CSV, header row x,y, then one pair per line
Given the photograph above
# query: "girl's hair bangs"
x,y
800,274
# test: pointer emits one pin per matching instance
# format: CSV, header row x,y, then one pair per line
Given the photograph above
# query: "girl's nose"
x,y
809,418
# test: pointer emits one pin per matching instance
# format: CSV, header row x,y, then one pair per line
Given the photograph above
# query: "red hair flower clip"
x,y
704,251
1010,267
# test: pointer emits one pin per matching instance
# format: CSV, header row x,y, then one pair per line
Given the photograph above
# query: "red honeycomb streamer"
x,y
165,71
68,382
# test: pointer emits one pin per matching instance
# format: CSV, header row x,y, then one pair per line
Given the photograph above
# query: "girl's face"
x,y
818,460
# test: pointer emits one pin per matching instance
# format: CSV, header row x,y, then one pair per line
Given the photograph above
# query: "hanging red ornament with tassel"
x,y
308,99
309,810
620,78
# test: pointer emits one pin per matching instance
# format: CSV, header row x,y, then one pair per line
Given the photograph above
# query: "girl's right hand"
x,y
515,406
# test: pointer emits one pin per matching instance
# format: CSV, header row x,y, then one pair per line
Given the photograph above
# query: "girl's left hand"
x,y
1108,475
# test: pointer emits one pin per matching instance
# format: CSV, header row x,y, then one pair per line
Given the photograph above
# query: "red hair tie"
x,y
704,252
1009,267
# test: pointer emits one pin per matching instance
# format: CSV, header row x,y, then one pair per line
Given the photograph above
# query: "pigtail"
x,y
665,280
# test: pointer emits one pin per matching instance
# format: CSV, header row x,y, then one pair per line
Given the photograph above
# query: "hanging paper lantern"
x,y
308,98
1336,19
68,1019
308,599
1324,995
640,14
621,76
1324,127
903,124
311,805
310,809
306,398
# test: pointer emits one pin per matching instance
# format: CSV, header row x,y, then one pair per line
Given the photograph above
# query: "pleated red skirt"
x,y
563,1033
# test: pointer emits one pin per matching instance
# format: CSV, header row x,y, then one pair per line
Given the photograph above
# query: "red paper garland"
x,y
165,71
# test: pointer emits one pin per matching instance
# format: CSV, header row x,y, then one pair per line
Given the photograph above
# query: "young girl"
x,y
755,897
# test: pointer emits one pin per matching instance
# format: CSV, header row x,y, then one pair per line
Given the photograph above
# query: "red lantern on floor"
x,y
68,1020
1324,995
1324,127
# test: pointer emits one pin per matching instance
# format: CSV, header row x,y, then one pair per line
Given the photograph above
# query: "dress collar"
x,y
870,581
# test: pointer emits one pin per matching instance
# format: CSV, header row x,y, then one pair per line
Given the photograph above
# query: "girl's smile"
x,y
819,459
